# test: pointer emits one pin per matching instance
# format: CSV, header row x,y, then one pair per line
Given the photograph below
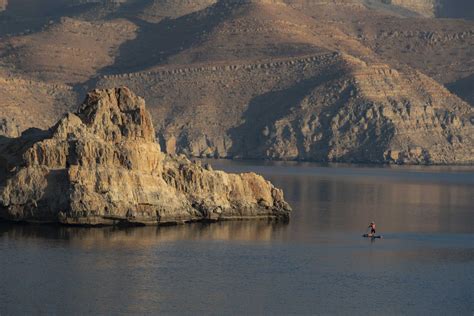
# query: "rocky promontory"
x,y
102,166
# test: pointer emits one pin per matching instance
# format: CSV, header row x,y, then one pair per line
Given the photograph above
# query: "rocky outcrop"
x,y
101,165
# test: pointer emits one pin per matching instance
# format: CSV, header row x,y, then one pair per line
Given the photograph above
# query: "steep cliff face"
x,y
371,113
102,165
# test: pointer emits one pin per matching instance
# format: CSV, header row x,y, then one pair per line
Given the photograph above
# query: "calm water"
x,y
316,264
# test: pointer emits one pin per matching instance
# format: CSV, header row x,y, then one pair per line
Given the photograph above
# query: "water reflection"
x,y
260,230
325,200
346,198
318,263
342,205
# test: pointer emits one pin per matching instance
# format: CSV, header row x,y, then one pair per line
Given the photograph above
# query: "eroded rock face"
x,y
101,165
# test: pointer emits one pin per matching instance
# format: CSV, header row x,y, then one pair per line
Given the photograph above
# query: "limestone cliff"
x,y
101,165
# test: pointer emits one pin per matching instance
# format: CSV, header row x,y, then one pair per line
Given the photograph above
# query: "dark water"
x,y
316,264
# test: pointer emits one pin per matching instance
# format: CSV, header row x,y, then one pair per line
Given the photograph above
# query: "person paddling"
x,y
372,228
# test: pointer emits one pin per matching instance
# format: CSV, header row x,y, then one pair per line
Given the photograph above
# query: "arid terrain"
x,y
389,81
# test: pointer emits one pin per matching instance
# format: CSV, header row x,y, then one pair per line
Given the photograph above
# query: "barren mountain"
x,y
69,51
327,107
354,80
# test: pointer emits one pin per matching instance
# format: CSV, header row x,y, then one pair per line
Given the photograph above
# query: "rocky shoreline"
x,y
102,166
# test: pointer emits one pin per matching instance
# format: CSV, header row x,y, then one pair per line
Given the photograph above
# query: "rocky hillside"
x,y
69,51
326,108
28,103
101,166
267,79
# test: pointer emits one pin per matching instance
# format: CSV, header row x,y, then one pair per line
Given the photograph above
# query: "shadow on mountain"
x,y
252,138
463,88
27,17
13,149
156,42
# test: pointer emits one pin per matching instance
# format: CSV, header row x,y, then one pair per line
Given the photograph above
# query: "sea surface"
x,y
318,263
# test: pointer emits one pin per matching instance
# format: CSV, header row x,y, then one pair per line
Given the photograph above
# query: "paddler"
x,y
372,228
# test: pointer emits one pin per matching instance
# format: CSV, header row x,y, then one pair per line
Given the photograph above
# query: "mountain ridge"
x,y
206,67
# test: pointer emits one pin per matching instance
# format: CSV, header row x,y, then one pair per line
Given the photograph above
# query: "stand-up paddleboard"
x,y
371,236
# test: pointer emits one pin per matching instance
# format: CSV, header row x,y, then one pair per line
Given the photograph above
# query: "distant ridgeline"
x,y
428,8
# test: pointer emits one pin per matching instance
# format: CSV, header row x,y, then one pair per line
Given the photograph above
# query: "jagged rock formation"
x,y
102,165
